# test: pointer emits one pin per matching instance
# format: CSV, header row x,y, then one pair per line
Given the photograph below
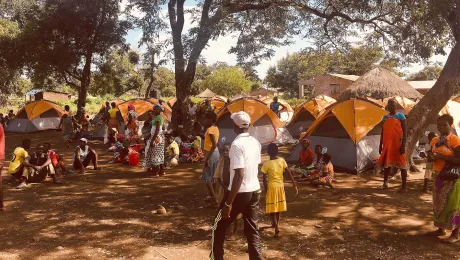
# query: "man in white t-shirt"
x,y
244,191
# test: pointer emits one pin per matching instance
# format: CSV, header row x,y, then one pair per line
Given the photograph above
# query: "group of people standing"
x,y
5,119
443,165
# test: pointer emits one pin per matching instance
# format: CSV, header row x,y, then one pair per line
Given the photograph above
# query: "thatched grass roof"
x,y
207,93
380,83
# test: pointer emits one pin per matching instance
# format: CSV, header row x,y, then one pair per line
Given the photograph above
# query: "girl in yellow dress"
x,y
274,186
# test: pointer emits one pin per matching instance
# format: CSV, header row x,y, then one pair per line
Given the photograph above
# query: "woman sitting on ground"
x,y
306,158
446,191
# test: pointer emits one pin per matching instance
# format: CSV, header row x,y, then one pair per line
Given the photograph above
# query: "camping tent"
x,y
97,118
36,116
380,83
167,108
351,132
172,101
286,114
206,94
218,102
306,113
403,105
451,108
238,97
142,107
265,125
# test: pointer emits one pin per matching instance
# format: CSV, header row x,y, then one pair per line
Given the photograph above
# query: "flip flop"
x,y
451,240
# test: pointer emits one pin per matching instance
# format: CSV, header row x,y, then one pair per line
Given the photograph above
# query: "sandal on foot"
x,y
451,240
437,233
383,187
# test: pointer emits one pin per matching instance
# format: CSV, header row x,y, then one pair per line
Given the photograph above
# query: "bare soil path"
x,y
108,215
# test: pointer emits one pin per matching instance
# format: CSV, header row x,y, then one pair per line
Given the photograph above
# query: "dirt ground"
x,y
108,215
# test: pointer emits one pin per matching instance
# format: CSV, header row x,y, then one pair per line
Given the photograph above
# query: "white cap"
x,y
241,119
83,140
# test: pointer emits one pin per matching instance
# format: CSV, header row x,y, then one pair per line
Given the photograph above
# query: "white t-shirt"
x,y
192,110
428,148
245,153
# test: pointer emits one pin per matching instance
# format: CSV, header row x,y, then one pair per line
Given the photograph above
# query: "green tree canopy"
x,y
117,74
427,73
10,75
164,81
227,81
66,40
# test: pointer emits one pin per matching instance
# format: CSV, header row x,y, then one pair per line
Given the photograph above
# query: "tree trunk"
x,y
149,87
85,82
436,98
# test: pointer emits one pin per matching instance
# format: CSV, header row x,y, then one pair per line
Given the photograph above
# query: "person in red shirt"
x,y
56,159
306,158
2,160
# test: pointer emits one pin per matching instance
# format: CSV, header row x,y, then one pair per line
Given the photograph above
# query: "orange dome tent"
x,y
351,132
403,105
265,125
142,107
306,113
167,108
36,116
451,108
218,102
172,101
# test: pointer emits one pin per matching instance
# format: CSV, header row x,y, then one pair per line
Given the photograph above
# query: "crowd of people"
x,y
6,119
230,170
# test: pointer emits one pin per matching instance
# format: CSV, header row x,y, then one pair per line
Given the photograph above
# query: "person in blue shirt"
x,y
277,107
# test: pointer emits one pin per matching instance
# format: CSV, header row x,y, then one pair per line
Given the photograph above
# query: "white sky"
x,y
217,51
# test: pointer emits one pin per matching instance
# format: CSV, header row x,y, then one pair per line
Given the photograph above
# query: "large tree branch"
x,y
453,19
68,82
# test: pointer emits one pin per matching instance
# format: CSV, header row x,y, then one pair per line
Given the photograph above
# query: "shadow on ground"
x,y
108,215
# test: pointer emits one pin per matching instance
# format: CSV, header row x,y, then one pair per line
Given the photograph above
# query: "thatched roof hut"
x,y
207,93
380,83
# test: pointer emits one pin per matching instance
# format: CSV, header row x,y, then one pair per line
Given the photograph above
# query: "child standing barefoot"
x,y
274,186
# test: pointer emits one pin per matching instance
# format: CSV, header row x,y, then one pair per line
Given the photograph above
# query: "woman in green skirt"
x,y
446,193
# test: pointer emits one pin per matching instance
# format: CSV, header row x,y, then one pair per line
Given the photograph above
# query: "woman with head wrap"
x,y
393,145
155,147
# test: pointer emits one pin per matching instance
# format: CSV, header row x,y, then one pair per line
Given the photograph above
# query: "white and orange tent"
x,y
265,124
306,113
143,106
217,102
36,116
403,105
351,132
451,108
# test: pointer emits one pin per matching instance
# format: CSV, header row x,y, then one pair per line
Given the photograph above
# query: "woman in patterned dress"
x,y
446,193
155,147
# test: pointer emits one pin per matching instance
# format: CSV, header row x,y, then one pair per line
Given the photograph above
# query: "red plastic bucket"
x,y
133,159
